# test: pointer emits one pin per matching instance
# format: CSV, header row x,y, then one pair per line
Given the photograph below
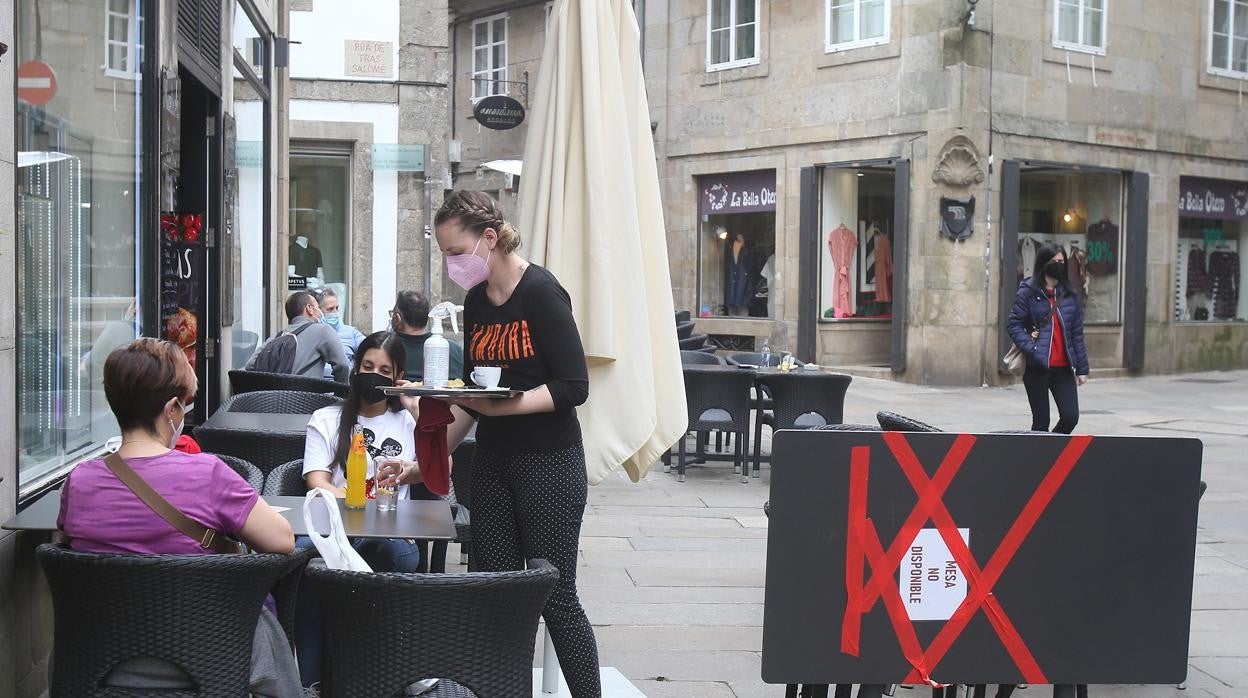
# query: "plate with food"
x,y
454,388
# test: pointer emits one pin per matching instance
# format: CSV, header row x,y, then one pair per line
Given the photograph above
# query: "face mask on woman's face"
x,y
1055,269
469,270
368,386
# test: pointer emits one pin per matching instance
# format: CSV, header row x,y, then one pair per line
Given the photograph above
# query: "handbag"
x,y
207,537
1014,360
334,547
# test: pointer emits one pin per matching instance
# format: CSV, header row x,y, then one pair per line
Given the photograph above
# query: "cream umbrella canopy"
x,y
589,204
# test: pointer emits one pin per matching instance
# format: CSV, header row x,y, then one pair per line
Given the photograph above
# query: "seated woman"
x,y
150,386
389,425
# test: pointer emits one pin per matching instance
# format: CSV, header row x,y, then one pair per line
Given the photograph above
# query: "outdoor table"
x,y
414,518
259,421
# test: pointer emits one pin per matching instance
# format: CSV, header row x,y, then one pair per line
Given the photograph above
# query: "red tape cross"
x,y
863,543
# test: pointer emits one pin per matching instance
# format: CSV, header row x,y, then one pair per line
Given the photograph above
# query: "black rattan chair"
x,y
684,330
699,358
718,399
264,449
683,316
197,612
799,400
891,421
693,342
286,480
476,629
251,381
250,473
279,402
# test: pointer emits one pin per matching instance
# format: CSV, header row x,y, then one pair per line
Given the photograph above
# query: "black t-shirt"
x,y
533,338
305,261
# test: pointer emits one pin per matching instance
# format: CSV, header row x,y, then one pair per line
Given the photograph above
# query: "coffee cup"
x,y
487,376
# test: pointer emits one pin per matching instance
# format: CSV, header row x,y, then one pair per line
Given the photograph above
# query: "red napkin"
x,y
186,444
431,452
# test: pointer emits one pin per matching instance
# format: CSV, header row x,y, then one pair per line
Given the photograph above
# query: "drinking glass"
x,y
387,495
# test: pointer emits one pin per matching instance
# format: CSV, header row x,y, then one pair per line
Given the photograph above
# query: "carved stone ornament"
x,y
959,164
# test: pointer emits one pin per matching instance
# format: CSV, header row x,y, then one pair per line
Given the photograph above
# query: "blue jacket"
x,y
1031,311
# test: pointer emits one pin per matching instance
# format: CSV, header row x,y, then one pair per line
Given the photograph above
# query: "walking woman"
x,y
1047,326
529,482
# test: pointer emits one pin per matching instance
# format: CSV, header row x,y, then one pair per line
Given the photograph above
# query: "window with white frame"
x,y
123,39
1228,38
731,33
855,23
1079,25
489,56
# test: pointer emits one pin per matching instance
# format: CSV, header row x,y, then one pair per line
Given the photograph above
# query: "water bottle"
x,y
766,353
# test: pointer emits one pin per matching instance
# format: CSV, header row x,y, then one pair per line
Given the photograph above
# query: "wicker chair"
x,y
699,358
198,612
286,480
684,330
693,342
250,381
476,629
891,421
279,402
683,316
718,399
799,400
264,449
250,473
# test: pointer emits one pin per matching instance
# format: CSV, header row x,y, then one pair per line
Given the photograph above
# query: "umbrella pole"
x,y
550,666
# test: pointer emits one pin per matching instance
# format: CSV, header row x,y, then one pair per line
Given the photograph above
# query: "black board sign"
x,y
498,112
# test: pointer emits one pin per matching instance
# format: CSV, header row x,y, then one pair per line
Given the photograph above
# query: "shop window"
x,y
489,56
856,23
737,245
1082,212
320,221
1079,25
731,33
1228,38
856,275
123,39
1213,232
77,236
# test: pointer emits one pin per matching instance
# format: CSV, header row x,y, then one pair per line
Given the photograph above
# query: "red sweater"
x,y
1058,358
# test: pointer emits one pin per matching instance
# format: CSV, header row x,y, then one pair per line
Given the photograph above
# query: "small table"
x,y
415,518
259,421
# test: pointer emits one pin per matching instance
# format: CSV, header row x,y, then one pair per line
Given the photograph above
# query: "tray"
x,y
466,391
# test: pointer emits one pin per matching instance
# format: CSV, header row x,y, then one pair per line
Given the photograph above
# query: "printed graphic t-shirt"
x,y
392,435
533,338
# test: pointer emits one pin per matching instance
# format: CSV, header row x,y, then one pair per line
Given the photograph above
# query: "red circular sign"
x,y
36,83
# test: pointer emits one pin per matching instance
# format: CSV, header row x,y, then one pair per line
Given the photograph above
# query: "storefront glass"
x,y
737,245
320,215
856,269
1082,212
1213,230
250,287
78,217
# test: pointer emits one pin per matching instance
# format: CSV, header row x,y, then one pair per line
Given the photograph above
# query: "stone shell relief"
x,y
959,164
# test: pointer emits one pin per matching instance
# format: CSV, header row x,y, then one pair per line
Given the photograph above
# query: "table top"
x,y
415,518
259,421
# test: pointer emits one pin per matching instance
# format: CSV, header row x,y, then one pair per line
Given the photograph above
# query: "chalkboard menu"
x,y
181,280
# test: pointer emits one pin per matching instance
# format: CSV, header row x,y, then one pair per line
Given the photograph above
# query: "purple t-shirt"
x,y
99,514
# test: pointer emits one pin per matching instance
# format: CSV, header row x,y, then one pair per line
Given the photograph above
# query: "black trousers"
x,y
1061,383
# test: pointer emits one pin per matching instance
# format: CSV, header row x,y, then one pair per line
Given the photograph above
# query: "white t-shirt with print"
x,y
392,434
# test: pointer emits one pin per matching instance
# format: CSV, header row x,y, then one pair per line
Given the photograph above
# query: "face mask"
x,y
469,270
332,319
177,430
1055,269
368,386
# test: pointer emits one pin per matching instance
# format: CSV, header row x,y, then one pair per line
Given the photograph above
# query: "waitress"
x,y
529,483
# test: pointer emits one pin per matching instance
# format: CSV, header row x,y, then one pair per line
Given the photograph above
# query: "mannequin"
x,y
737,285
305,261
769,273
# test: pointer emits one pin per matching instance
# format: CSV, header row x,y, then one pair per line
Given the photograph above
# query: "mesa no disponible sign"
x,y
931,583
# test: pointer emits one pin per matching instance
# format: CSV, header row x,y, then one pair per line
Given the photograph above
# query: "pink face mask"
x,y
468,270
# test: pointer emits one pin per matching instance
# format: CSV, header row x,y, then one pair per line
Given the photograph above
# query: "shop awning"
x,y
511,167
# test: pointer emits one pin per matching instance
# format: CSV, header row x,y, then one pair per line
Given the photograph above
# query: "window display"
x,y
1213,229
1082,212
738,245
320,205
857,268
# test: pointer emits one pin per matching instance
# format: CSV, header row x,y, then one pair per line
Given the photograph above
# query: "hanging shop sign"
x,y
1214,199
737,192
401,157
498,112
956,216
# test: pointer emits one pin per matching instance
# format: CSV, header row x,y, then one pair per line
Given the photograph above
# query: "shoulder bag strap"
x,y
208,538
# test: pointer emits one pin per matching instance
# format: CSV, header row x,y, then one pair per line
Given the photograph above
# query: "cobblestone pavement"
x,y
672,573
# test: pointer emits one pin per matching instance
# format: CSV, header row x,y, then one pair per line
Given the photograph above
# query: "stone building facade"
x,y
831,140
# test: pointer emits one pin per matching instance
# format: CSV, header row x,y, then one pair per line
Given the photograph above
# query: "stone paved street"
x,y
672,574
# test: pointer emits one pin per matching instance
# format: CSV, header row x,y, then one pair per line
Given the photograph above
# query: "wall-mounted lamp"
x,y
1067,217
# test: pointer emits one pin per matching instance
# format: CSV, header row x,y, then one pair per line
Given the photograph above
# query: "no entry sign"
x,y
36,83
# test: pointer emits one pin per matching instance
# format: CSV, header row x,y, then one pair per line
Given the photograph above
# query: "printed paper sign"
x,y
932,585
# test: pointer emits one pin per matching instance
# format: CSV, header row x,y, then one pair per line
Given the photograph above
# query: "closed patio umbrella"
x,y
590,206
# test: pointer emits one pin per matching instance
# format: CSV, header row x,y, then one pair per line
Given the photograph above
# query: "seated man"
x,y
349,336
410,320
318,343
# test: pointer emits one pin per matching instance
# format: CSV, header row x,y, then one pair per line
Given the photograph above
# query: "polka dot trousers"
x,y
528,506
